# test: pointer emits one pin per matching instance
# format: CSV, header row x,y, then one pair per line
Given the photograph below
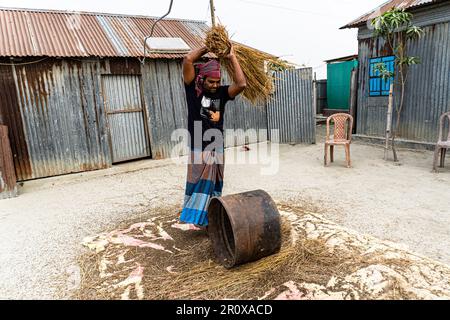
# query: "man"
x,y
206,100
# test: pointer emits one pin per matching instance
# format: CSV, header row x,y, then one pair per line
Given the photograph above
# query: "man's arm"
x,y
188,64
239,82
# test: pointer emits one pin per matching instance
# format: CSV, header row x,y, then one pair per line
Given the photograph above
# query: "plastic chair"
x,y
343,125
442,145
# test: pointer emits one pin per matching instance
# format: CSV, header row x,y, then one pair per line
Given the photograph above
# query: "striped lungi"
x,y
204,181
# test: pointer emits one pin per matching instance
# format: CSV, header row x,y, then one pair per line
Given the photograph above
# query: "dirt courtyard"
x,y
41,230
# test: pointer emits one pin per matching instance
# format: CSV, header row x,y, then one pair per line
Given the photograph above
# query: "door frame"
x,y
143,109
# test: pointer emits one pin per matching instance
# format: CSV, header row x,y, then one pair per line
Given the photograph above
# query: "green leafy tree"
x,y
396,28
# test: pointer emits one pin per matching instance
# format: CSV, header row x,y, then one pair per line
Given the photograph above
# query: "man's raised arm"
x,y
239,82
188,64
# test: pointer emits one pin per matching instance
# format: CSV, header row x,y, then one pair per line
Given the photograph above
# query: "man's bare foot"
x,y
186,226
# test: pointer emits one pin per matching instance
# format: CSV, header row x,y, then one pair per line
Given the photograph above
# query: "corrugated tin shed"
x,y
29,32
400,4
427,91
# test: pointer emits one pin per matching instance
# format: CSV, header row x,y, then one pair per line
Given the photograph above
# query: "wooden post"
x,y
389,121
315,94
8,182
213,16
353,96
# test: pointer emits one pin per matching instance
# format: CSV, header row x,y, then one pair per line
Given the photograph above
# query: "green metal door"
x,y
338,84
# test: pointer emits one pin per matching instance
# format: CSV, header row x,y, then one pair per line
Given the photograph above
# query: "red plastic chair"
x,y
342,135
443,142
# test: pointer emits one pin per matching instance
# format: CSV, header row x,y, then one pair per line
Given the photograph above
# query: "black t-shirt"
x,y
198,106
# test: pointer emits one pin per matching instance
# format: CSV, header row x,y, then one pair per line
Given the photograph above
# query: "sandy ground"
x,y
41,230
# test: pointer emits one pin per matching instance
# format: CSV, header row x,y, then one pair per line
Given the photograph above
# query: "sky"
x,y
303,32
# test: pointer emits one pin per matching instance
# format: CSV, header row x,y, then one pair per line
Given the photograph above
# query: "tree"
x,y
396,28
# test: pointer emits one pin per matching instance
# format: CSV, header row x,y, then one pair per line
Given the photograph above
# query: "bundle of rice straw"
x,y
253,63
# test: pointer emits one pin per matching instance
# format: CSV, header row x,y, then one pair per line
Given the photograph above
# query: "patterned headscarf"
x,y
208,69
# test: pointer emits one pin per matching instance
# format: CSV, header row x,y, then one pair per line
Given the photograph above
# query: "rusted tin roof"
x,y
343,59
29,32
400,4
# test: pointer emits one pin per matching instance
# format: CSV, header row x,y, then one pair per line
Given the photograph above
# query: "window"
x,y
378,86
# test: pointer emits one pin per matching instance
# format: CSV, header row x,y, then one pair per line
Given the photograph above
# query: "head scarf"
x,y
208,69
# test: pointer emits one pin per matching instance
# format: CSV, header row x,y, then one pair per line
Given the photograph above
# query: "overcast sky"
x,y
303,32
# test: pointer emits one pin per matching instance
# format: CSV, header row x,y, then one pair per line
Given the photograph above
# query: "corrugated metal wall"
x,y
291,110
422,17
164,95
11,117
427,93
167,110
388,5
244,123
62,117
56,110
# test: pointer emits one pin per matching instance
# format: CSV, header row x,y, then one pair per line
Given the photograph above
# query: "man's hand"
x,y
215,116
188,63
239,82
231,54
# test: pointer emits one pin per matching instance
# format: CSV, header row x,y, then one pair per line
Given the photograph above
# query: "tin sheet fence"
x,y
291,109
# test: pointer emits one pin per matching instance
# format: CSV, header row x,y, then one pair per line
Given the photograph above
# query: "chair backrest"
x,y
343,126
444,116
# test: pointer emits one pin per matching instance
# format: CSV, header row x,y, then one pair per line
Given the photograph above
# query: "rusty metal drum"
x,y
244,227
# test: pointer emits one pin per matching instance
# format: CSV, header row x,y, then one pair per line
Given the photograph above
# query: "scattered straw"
x,y
253,63
194,274
197,276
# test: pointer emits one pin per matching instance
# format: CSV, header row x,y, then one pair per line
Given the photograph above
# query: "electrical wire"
x,y
153,28
23,63
206,13
288,9
320,66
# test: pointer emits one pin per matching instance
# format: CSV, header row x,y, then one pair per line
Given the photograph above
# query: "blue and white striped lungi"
x,y
204,181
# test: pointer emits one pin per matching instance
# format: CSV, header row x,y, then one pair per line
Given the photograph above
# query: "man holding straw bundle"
x,y
206,100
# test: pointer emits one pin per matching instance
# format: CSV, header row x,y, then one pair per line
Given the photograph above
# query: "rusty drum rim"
x,y
232,253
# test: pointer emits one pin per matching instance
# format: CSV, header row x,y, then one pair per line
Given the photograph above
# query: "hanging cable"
x,y
153,28
22,63
288,9
206,13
